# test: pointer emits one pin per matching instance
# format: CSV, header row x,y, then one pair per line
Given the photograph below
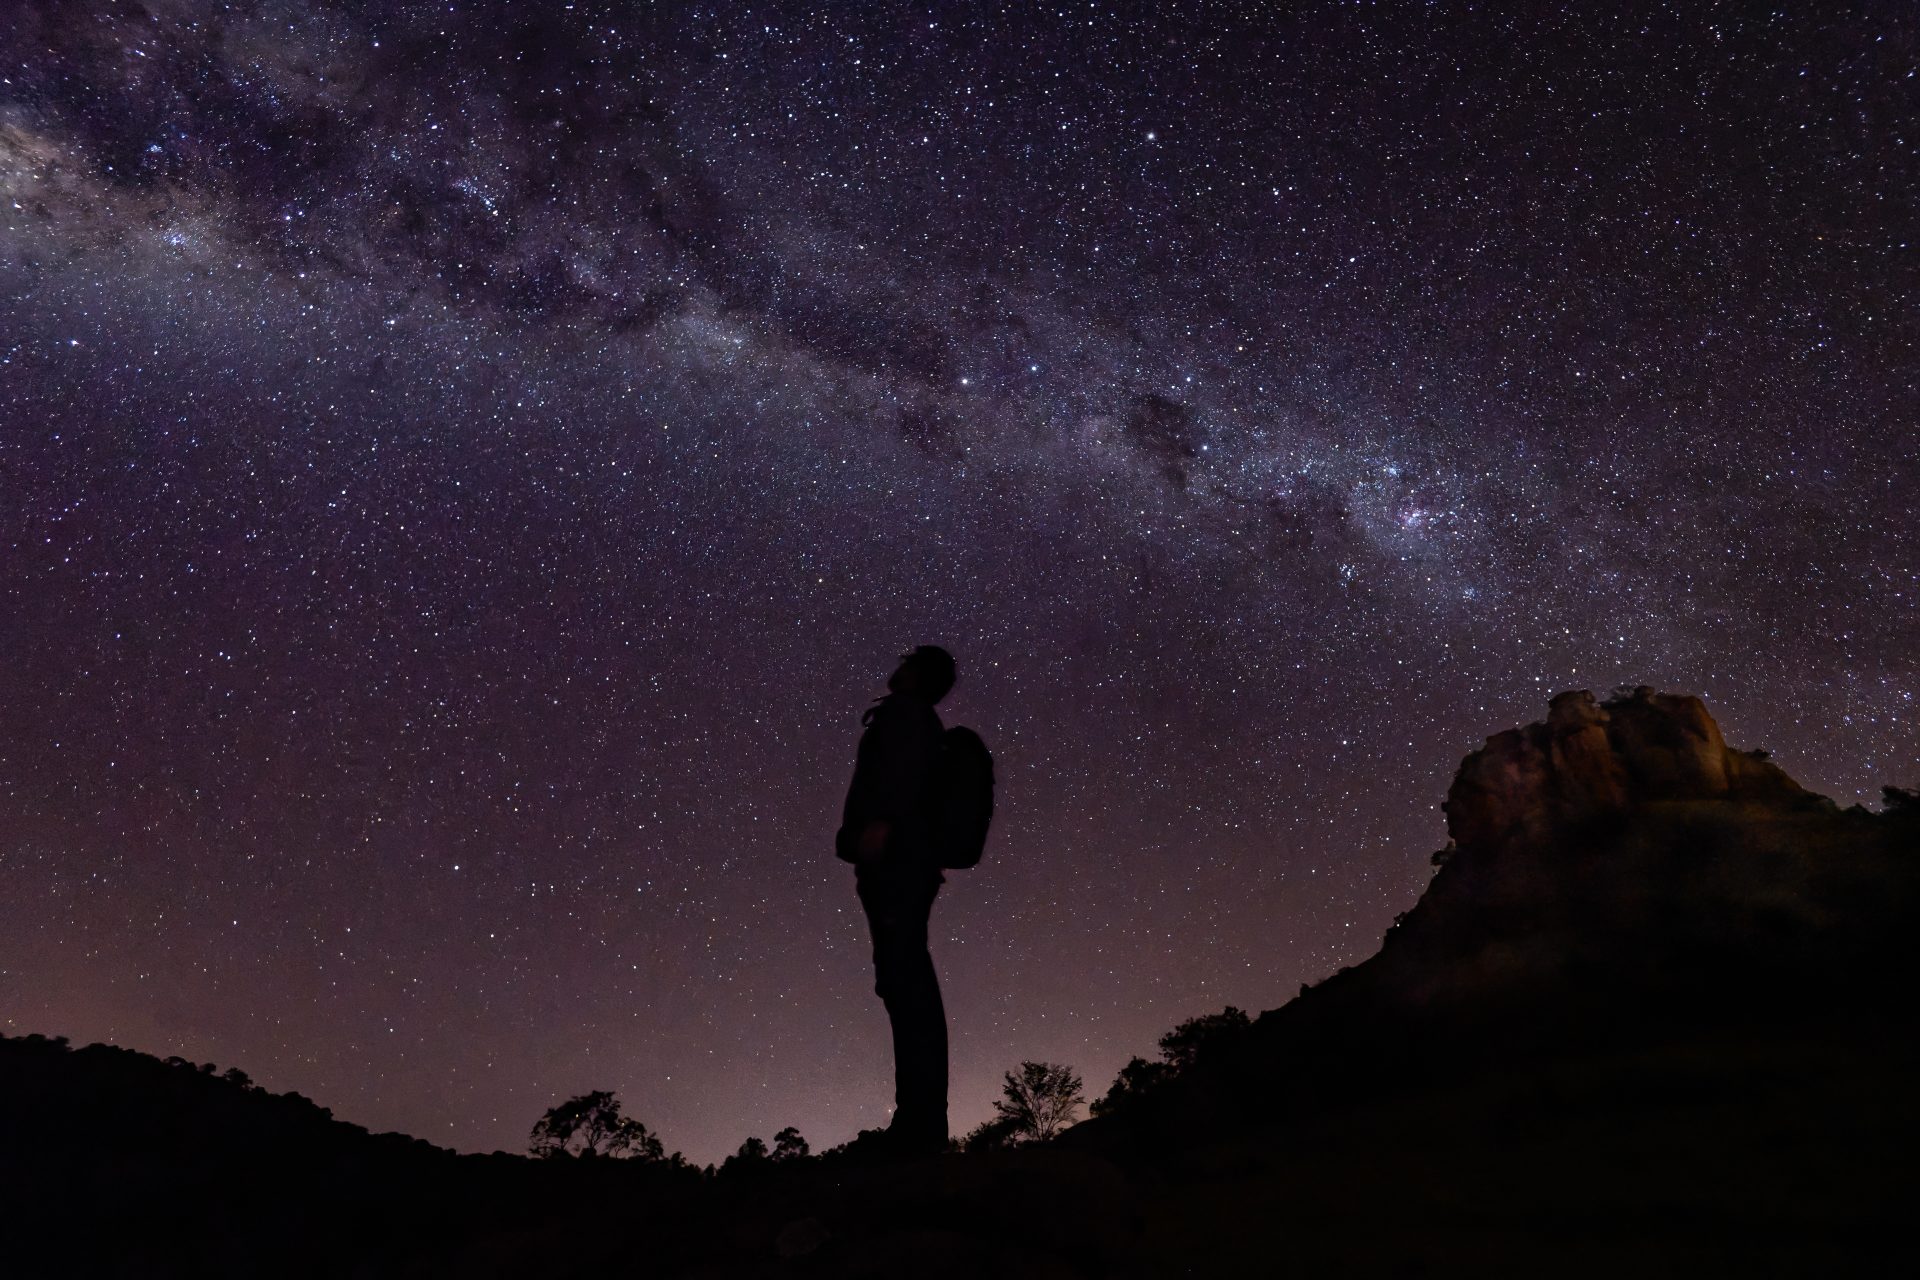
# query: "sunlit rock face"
x,y
1590,758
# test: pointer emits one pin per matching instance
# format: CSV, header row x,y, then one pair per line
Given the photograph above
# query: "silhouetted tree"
x,y
989,1135
789,1145
1039,1100
1183,1045
1137,1079
1900,800
1180,1048
591,1125
751,1156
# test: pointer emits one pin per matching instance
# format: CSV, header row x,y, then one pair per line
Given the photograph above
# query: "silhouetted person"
x,y
887,832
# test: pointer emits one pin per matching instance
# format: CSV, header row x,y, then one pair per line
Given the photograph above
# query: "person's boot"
x,y
918,1135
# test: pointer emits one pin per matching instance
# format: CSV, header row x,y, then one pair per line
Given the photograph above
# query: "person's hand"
x,y
873,841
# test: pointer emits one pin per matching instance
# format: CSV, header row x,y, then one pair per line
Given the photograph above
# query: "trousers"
x,y
897,915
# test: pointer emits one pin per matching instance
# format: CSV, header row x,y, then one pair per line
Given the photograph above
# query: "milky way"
x,y
465,468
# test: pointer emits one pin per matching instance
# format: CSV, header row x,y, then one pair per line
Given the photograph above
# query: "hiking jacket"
x,y
894,779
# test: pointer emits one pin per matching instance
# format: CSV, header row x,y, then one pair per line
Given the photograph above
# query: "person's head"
x,y
926,672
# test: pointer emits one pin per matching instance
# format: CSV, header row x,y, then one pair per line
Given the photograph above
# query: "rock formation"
x,y
1588,759
1619,856
1616,873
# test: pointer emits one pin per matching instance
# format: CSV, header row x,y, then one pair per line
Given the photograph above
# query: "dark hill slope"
x,y
1654,1009
116,1162
1652,1015
1617,873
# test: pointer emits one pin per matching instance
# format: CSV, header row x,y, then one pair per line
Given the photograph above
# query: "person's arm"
x,y
873,839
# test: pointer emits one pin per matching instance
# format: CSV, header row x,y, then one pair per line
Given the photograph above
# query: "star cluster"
x,y
466,466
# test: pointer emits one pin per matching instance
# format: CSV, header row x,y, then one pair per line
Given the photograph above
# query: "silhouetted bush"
x,y
1136,1080
989,1135
750,1158
1180,1048
789,1148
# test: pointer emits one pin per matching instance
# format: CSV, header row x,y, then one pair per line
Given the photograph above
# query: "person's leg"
x,y
921,1040
907,985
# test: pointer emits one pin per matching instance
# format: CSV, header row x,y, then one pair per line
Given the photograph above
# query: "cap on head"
x,y
928,669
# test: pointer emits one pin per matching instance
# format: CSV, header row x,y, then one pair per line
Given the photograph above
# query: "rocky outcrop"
x,y
1590,758
1619,880
1618,863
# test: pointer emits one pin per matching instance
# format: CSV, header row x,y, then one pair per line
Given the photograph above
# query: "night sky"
x,y
465,467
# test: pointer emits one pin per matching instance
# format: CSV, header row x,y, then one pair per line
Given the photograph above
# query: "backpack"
x,y
964,784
